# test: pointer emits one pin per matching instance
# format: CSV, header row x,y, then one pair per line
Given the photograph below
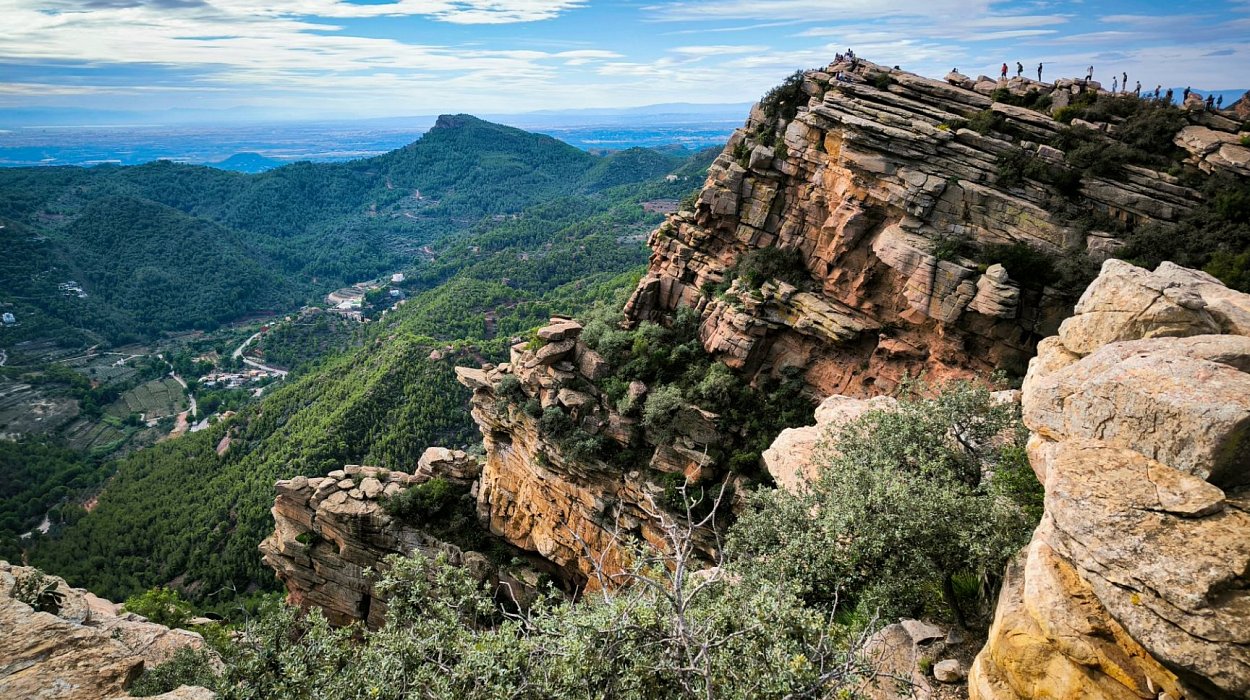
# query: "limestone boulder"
x,y
793,458
1136,584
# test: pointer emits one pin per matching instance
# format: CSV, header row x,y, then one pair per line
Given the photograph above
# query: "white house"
x,y
8,318
397,278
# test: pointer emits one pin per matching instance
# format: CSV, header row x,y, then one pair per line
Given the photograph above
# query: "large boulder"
x,y
89,649
1136,581
792,458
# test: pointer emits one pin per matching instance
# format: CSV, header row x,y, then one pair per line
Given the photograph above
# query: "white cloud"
x,y
703,51
813,10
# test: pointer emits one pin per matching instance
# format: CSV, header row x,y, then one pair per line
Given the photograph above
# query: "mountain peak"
x,y
454,121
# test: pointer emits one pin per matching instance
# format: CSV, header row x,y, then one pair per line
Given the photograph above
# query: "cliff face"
x,y
1136,582
536,495
88,650
879,190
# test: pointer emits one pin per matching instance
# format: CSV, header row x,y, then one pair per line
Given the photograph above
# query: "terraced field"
x,y
94,435
153,400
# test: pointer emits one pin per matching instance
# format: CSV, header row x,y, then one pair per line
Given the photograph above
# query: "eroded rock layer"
x,y
330,531
575,511
880,191
1135,584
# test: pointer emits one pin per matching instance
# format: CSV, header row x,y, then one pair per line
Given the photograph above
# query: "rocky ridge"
x,y
1135,583
871,182
89,649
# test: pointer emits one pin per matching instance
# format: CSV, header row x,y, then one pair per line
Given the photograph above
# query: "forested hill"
x,y
191,511
167,246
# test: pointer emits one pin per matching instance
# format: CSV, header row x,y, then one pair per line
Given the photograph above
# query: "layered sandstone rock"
x,y
329,531
873,186
1136,582
88,650
575,511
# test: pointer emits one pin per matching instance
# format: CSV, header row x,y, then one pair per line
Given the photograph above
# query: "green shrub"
x,y
760,265
161,605
909,501
783,101
186,667
1065,115
510,388
424,503
660,411
987,120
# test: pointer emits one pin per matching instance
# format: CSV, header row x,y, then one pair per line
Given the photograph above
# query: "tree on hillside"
x,y
912,506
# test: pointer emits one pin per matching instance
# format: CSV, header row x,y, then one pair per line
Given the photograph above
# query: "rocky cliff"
x,y
893,208
1136,582
575,509
89,649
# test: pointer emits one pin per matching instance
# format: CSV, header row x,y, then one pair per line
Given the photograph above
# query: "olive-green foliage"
x,y
1017,165
782,102
39,591
908,501
160,605
186,667
425,502
671,362
444,639
1033,99
760,265
987,120
1214,235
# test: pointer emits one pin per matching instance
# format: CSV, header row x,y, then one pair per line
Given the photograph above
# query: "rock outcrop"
x,y
329,531
1137,582
88,650
537,494
881,192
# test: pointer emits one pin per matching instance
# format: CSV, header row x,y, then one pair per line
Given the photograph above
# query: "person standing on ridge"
x,y
1004,72
1185,94
1137,91
1168,98
1157,89
1089,74
1039,72
1210,101
1219,102
1019,69
1124,80
1115,85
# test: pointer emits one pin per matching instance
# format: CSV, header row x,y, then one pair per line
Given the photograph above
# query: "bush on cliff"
x,y
910,503
783,101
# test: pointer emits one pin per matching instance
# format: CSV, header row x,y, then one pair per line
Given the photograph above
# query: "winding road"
x,y
238,354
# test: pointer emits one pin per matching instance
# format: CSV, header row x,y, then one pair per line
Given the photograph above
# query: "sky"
x,y
357,58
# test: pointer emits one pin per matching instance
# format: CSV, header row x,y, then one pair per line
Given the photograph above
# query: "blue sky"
x,y
332,58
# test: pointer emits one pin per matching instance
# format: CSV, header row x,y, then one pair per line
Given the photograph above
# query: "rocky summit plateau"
x,y
655,473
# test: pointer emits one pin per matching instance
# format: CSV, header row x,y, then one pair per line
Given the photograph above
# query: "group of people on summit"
x,y
1119,85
